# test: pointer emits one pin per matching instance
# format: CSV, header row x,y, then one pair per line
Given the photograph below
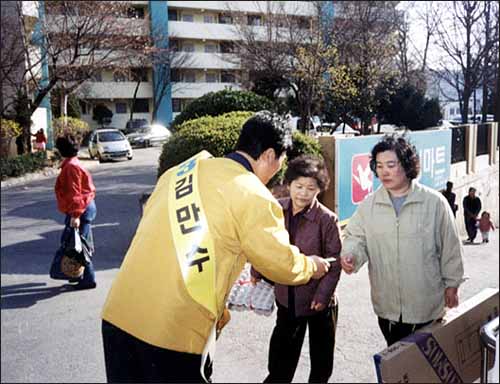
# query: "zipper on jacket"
x,y
399,267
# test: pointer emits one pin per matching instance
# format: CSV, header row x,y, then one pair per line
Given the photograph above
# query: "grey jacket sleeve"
x,y
451,250
355,239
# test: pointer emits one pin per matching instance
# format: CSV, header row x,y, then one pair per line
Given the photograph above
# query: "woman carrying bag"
x,y
75,193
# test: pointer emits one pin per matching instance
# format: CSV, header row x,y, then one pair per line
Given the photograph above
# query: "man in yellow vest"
x,y
204,220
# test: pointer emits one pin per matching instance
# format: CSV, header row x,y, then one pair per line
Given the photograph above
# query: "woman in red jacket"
x,y
75,193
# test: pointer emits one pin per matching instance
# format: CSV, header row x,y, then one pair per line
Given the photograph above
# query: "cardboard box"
x,y
443,352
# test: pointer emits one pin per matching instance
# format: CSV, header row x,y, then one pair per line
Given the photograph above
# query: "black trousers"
x,y
130,360
286,344
470,226
394,331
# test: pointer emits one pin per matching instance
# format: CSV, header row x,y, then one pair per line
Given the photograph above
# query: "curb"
x,y
46,173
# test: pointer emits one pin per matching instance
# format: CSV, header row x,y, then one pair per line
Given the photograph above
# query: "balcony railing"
x,y
195,90
115,90
202,60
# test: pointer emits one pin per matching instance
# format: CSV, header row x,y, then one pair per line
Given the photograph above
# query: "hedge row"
x,y
218,135
218,103
19,165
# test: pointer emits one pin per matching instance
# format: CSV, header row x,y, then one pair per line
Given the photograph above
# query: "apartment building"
x,y
203,33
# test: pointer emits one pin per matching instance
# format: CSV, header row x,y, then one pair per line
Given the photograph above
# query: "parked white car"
x,y
108,144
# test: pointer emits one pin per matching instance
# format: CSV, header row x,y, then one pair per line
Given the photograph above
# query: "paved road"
x,y
52,334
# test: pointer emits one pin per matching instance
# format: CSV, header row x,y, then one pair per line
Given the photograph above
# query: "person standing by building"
x,y
485,226
472,207
314,229
75,193
407,234
40,140
204,220
451,197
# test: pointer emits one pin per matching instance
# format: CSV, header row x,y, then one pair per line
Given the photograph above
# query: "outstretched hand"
x,y
322,266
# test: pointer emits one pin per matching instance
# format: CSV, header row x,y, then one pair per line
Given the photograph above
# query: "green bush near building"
x,y
218,135
19,165
72,125
218,103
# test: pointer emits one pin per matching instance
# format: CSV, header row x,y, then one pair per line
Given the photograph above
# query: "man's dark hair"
x,y
67,145
308,166
262,131
405,151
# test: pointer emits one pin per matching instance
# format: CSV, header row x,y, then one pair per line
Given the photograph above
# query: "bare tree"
x,y
77,39
466,48
365,33
290,53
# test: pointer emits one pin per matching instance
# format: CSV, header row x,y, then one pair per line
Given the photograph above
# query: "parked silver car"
x,y
149,135
107,144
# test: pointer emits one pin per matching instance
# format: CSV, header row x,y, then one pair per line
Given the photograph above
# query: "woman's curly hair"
x,y
405,151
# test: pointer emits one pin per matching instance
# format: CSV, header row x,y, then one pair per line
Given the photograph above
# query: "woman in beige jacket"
x,y
407,234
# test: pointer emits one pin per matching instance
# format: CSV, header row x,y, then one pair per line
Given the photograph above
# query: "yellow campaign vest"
x,y
193,243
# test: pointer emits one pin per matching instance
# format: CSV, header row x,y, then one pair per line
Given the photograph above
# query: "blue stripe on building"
x,y
159,33
38,39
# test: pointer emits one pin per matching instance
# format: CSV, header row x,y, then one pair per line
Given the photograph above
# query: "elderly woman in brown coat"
x,y
314,229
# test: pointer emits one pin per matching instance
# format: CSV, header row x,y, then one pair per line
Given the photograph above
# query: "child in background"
x,y
485,225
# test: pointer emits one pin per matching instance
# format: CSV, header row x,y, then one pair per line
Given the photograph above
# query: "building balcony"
x,y
299,8
201,60
195,90
121,25
201,31
115,90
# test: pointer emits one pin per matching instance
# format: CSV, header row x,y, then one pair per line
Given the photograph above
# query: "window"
x,y
187,17
211,77
188,47
174,44
97,76
175,75
226,46
135,13
119,77
176,105
139,74
303,22
209,19
141,106
225,19
210,48
83,107
172,15
227,77
189,77
254,20
121,107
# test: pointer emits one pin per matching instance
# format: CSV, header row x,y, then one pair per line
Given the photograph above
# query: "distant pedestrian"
x,y
40,140
472,207
485,226
75,193
450,196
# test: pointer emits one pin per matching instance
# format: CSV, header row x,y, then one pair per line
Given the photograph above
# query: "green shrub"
x,y
302,145
218,135
76,127
9,129
19,165
218,103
